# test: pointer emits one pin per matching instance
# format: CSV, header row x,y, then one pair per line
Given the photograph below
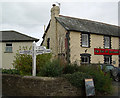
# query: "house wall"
x,y
61,38
7,58
96,41
57,38
51,33
115,45
56,33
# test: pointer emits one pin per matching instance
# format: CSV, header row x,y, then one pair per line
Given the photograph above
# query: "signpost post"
x,y
34,59
36,50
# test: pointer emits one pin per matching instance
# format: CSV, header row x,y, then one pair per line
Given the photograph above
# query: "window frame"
x,y
87,43
85,55
48,43
88,59
105,46
110,59
8,46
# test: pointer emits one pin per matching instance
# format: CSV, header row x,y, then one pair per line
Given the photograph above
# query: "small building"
x,y
82,41
11,41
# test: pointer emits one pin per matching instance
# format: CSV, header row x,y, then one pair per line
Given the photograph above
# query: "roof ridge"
x,y
25,35
89,20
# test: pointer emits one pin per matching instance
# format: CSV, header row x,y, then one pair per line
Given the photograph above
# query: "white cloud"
x,y
103,12
30,17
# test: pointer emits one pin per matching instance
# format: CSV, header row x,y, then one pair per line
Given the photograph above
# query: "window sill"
x,y
107,48
8,52
85,47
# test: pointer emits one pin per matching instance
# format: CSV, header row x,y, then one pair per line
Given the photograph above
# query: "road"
x,y
116,86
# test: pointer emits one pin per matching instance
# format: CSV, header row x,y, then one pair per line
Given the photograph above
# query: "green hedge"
x,y
10,71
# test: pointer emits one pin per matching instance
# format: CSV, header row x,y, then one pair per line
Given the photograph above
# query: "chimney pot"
x,y
54,5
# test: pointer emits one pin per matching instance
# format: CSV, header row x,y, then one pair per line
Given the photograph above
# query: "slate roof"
x,y
83,25
14,36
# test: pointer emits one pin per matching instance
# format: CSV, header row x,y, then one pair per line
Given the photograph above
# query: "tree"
x,y
23,62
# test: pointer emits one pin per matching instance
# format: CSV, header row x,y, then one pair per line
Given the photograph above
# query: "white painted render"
x,y
7,58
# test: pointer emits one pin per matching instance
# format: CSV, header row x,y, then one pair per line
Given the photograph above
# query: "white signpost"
x,y
36,50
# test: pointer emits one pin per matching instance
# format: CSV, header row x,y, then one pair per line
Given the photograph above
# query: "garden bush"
x,y
23,62
52,69
10,71
70,68
77,78
77,74
103,83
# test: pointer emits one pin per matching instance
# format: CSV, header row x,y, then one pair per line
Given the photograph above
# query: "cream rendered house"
x,y
77,39
10,42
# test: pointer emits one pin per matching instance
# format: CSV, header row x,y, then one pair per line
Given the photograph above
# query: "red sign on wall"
x,y
98,51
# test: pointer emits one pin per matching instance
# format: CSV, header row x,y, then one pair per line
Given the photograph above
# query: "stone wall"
x,y
14,85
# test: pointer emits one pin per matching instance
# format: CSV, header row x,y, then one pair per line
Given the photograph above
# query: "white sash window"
x,y
85,41
107,42
8,47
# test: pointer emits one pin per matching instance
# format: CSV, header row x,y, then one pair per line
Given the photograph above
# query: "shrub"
x,y
52,69
103,83
77,78
41,60
10,71
70,68
23,62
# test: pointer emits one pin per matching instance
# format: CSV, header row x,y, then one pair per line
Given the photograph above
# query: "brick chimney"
x,y
55,10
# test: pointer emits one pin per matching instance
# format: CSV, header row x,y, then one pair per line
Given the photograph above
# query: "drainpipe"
x,y
68,47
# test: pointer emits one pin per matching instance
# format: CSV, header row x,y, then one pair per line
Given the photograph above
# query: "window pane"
x,y
107,42
8,49
85,40
48,43
82,59
107,59
85,59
